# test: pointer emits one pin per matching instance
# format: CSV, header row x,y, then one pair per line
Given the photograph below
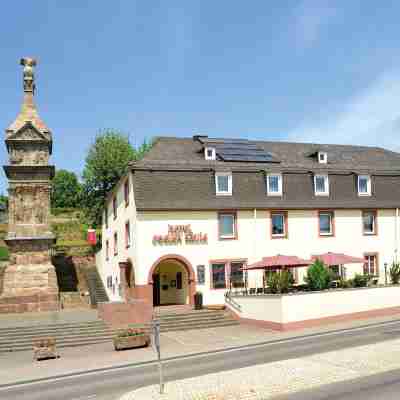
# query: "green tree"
x,y
106,161
318,277
66,190
4,200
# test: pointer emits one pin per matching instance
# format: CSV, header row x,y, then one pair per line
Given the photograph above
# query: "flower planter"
x,y
44,349
131,342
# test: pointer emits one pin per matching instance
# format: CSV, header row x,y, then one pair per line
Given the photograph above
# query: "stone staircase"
x,y
97,291
67,334
185,318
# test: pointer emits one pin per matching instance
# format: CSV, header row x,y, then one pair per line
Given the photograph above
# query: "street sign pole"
x,y
156,341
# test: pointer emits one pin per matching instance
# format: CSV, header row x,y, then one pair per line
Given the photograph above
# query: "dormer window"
x,y
274,184
321,185
364,185
322,157
223,184
209,153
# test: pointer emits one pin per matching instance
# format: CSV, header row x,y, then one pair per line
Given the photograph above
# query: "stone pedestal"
x,y
30,287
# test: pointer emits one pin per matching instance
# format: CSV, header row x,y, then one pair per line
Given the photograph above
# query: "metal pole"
x,y
156,333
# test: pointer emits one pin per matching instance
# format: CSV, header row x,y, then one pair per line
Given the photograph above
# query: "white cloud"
x,y
310,17
371,117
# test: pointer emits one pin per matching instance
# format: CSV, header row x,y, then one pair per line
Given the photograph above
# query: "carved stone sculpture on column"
x,y
30,282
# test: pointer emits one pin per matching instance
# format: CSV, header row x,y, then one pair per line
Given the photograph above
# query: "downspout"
x,y
396,235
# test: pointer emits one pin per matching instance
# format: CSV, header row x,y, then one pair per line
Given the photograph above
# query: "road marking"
x,y
200,355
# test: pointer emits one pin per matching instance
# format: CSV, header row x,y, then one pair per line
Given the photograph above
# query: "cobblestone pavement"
x,y
265,381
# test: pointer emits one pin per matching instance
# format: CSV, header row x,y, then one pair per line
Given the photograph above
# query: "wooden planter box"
x,y
131,342
44,349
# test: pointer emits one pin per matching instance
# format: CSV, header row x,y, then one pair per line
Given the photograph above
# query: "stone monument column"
x,y
30,281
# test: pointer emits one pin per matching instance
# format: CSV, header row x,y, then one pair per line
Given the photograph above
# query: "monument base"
x,y
29,288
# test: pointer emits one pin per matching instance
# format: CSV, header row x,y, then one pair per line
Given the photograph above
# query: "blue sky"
x,y
311,70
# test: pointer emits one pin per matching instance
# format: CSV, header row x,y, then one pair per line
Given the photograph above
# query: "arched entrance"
x,y
172,278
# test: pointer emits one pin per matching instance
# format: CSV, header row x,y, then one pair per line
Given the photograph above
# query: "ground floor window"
x,y
236,276
218,276
227,274
371,264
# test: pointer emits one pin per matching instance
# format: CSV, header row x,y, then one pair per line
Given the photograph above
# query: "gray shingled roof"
x,y
175,175
185,152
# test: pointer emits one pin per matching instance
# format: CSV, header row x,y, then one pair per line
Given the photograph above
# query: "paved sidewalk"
x,y
21,367
266,381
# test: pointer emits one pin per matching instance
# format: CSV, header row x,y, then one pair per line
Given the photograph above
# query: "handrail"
x,y
232,302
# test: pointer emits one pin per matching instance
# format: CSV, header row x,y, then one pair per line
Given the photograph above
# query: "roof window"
x,y
322,157
209,153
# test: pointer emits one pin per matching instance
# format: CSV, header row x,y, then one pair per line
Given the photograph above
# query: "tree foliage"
x,y
107,160
4,200
318,276
66,190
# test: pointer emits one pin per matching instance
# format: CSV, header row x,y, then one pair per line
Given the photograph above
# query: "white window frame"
x,y
332,216
326,192
213,155
368,192
220,193
233,235
325,157
279,192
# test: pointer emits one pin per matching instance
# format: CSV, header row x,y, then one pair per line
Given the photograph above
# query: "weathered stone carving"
x,y
28,72
30,282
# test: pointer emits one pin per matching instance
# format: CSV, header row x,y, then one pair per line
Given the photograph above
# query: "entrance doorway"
x,y
172,281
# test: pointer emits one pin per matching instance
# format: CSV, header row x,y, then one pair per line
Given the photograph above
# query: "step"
x,y
32,335
190,312
192,315
25,329
59,339
198,320
200,326
58,345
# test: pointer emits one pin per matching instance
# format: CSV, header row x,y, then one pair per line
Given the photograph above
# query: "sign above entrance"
x,y
178,234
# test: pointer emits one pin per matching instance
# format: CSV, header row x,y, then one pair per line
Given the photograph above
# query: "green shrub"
x,y
361,280
280,281
4,255
345,283
318,276
395,273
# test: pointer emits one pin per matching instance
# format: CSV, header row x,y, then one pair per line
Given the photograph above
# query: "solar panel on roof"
x,y
246,158
239,150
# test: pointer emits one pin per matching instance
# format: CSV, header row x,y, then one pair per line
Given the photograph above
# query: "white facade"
x,y
253,242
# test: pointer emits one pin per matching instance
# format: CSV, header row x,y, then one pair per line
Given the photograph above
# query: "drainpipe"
x,y
396,235
254,233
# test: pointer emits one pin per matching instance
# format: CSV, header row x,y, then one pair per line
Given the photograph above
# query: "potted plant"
x,y
130,338
395,273
198,300
44,348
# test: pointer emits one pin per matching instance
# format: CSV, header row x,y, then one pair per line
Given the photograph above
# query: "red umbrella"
x,y
337,259
279,261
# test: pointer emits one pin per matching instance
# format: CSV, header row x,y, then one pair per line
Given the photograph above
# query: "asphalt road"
x,y
384,386
110,384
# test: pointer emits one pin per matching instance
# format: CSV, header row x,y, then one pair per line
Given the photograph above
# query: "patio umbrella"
x,y
278,261
337,259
